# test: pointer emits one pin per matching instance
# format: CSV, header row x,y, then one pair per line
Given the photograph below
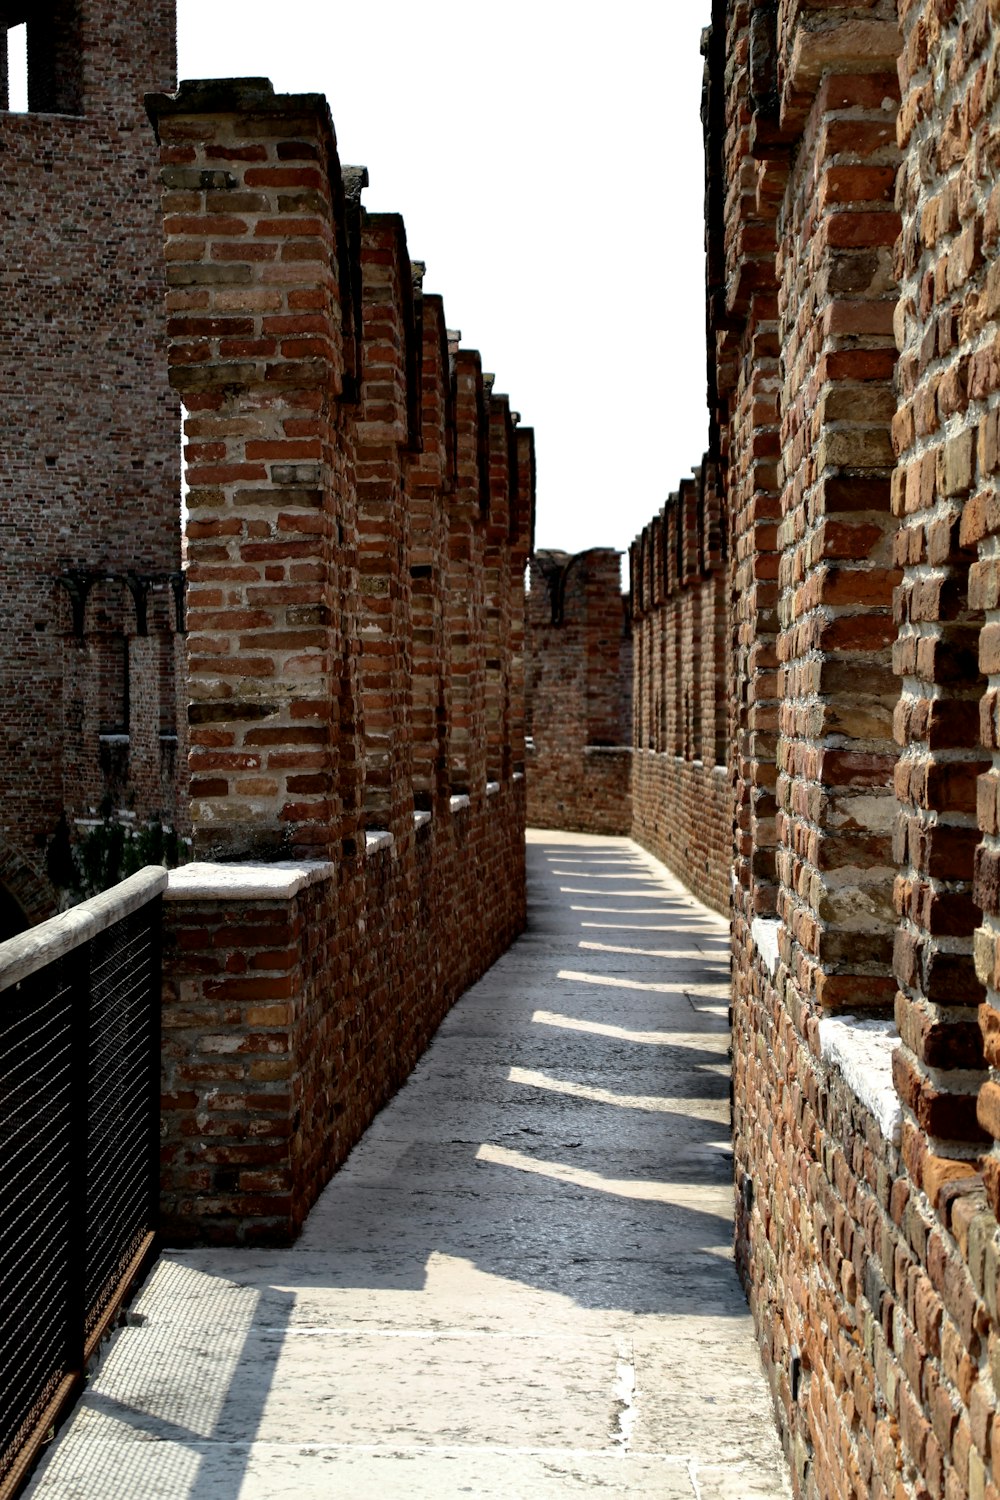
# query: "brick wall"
x,y
850,333
845,647
680,782
291,1018
89,464
360,511
628,698
578,694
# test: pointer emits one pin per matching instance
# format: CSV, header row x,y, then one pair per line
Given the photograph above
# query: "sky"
x,y
546,158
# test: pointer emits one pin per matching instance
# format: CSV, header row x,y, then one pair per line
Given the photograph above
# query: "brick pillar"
x,y
465,579
836,753
251,191
522,536
496,563
383,434
944,494
604,623
428,481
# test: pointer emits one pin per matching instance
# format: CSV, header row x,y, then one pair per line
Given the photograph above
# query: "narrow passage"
x,y
521,1283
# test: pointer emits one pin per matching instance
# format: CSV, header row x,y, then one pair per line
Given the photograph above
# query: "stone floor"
x,y
520,1285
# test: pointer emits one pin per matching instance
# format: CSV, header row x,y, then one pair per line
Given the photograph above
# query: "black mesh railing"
x,y
79,1168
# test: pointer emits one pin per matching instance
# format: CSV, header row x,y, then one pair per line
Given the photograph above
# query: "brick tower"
x,y
89,449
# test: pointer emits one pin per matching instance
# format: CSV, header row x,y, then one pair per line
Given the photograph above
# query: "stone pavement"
x,y
521,1283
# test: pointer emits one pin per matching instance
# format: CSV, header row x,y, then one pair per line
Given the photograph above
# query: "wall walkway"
x,y
520,1284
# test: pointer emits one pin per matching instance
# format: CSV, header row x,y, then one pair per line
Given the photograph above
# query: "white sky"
x,y
547,160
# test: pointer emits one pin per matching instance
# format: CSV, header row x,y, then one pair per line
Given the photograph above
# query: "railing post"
x,y
76,1216
154,915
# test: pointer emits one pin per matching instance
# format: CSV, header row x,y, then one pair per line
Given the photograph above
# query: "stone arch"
x,y
26,894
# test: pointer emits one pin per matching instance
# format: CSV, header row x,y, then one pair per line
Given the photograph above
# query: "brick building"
x,y
89,447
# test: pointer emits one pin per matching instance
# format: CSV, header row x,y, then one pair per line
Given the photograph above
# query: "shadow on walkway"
x,y
521,1281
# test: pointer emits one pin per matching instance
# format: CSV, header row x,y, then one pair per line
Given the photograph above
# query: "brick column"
x,y
429,480
496,563
465,578
941,396
251,195
522,536
388,386
836,753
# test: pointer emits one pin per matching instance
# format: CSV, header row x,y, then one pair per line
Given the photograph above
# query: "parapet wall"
x,y
854,380
852,168
360,513
680,780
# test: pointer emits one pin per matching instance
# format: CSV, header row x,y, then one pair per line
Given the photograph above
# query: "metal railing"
x,y
79,1145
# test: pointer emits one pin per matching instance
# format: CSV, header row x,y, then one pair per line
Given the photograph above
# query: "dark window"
x,y
49,31
112,689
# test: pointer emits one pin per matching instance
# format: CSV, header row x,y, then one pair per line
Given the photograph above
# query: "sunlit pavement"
x,y
521,1284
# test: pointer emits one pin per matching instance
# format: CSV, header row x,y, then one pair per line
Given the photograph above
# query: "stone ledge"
x,y
376,839
862,1051
30,951
492,787
209,881
421,819
458,803
607,750
764,931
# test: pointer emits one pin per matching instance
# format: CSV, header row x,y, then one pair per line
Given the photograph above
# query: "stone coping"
x,y
32,950
608,749
492,787
518,775
421,819
378,838
860,1047
764,931
460,802
862,1050
204,880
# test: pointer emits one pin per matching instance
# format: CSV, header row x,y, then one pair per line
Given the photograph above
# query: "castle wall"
x,y
854,144
360,508
852,315
681,804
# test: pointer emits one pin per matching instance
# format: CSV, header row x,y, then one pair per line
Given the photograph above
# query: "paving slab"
x,y
521,1282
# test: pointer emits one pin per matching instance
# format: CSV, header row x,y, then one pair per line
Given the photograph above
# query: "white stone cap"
x,y
32,950
492,787
519,775
457,803
607,749
764,931
204,880
421,819
378,838
862,1050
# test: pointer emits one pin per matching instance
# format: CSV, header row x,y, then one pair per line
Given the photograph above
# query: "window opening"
x,y
16,69
41,58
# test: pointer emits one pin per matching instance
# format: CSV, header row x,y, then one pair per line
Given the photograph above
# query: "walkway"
x,y
520,1285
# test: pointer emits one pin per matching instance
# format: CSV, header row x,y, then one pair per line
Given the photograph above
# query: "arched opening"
x,y
13,917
